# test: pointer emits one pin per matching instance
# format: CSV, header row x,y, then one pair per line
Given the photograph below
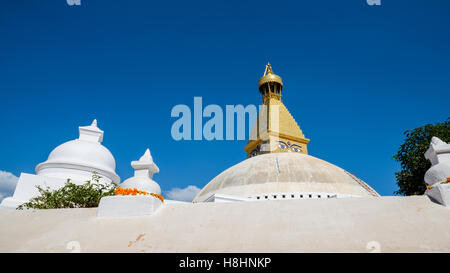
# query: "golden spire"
x,y
270,84
275,130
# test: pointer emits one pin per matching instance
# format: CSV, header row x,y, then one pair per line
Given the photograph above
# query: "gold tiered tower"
x,y
275,131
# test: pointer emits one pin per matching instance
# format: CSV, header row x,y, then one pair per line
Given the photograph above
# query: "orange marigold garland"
x,y
444,182
121,191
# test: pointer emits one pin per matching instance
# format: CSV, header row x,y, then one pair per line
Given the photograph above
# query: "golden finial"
x,y
270,77
268,69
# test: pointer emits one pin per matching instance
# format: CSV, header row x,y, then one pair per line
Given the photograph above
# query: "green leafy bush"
x,y
410,179
87,195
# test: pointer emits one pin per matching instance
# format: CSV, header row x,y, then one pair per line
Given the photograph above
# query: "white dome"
x,y
284,173
83,153
144,169
142,184
81,157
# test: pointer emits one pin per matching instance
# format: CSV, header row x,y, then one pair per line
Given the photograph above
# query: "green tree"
x,y
410,179
71,195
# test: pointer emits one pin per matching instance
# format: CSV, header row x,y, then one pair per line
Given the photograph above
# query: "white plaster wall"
x,y
127,206
26,188
398,224
27,185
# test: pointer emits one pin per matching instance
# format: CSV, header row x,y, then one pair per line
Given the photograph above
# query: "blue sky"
x,y
355,77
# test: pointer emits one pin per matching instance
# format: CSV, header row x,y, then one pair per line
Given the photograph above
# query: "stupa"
x,y
136,196
278,166
76,160
437,177
144,169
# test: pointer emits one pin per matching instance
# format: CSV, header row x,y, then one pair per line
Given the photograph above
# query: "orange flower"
x,y
135,191
448,179
429,187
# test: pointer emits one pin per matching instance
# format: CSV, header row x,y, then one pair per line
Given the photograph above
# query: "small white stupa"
x,y
438,176
136,196
144,169
76,160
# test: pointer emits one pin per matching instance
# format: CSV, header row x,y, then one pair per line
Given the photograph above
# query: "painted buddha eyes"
x,y
292,147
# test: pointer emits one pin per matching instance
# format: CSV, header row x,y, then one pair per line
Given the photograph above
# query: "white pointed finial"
x,y
91,132
147,157
146,163
439,151
437,141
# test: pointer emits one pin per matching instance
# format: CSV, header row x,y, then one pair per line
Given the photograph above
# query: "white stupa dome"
x,y
78,159
144,169
285,175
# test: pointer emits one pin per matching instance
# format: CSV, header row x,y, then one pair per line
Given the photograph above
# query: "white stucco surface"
x,y
130,205
439,172
440,193
397,224
284,173
439,156
26,188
